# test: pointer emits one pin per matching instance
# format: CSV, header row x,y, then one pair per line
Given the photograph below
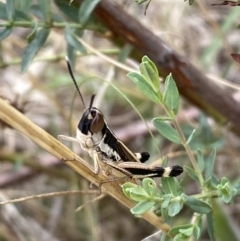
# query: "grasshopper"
x,y
109,154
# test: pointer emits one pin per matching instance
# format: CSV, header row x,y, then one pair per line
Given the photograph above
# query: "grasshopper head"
x,y
91,128
92,121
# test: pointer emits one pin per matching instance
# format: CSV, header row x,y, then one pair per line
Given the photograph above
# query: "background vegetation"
x,y
36,36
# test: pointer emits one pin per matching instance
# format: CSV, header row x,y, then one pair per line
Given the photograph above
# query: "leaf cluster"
x,y
169,200
41,19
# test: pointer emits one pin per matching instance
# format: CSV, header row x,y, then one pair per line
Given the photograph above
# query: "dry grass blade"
x,y
18,121
90,201
45,195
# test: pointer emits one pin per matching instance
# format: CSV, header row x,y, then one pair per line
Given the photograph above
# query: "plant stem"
x,y
189,152
30,24
55,58
186,146
206,194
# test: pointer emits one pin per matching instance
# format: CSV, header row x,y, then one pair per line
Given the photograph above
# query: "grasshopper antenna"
x,y
75,83
91,102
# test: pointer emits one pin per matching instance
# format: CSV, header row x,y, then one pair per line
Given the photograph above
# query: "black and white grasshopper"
x,y
109,154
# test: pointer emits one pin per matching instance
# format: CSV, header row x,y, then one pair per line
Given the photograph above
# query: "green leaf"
x,y
73,41
142,207
174,208
166,130
175,230
183,197
70,11
225,190
163,212
237,187
3,13
181,237
150,73
86,9
166,202
210,226
190,137
4,33
191,172
209,184
188,232
10,8
224,181
169,185
227,198
31,50
71,53
154,68
198,206
215,180
22,16
32,35
176,205
210,164
57,18
45,6
171,95
127,187
135,192
150,186
23,6
19,14
138,194
143,86
200,160
35,10
198,227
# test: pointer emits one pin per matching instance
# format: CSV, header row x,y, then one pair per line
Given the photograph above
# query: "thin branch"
x,y
47,195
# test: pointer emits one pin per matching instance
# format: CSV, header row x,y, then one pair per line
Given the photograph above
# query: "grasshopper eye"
x,y
97,122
